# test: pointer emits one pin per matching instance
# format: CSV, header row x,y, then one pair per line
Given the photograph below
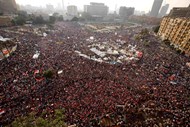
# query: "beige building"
x,y
180,12
8,7
72,10
177,31
5,21
96,9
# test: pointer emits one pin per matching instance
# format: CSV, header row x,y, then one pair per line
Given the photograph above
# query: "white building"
x,y
72,10
96,9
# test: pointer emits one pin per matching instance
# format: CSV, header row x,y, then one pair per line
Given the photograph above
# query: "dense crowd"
x,y
153,91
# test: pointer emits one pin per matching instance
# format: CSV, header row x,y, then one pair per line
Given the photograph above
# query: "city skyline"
x,y
137,4
156,8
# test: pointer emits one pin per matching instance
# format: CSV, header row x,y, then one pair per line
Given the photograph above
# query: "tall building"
x,y
96,9
8,6
176,28
125,12
72,10
155,8
63,5
180,12
177,31
163,10
50,7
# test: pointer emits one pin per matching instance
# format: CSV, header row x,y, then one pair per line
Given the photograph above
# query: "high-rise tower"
x,y
155,8
163,10
8,6
63,5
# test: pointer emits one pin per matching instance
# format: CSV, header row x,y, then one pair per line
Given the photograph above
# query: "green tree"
x,y
52,19
19,20
87,16
23,14
75,19
56,14
38,20
48,74
60,18
156,29
144,31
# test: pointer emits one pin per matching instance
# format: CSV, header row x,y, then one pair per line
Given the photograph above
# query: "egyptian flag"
x,y
172,77
38,76
36,72
5,52
25,74
139,54
2,111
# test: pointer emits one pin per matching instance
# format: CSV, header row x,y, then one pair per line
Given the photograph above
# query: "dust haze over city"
x,y
95,63
141,5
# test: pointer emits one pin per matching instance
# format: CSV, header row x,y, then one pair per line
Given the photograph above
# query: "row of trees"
x,y
23,17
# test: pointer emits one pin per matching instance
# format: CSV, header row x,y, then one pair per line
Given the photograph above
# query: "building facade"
x,y
72,10
155,8
144,19
177,31
163,10
5,21
49,7
125,12
8,7
96,9
180,12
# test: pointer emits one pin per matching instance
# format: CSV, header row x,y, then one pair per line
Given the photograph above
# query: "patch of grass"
x,y
53,120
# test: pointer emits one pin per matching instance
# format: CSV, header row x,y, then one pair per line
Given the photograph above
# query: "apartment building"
x,y
177,31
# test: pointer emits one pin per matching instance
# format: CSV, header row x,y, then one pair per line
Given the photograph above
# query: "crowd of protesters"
x,y
153,91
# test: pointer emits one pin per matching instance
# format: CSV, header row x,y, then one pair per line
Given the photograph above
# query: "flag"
x,y
36,72
5,52
2,111
139,54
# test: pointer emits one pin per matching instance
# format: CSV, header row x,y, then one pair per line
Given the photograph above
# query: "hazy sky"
x,y
142,5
